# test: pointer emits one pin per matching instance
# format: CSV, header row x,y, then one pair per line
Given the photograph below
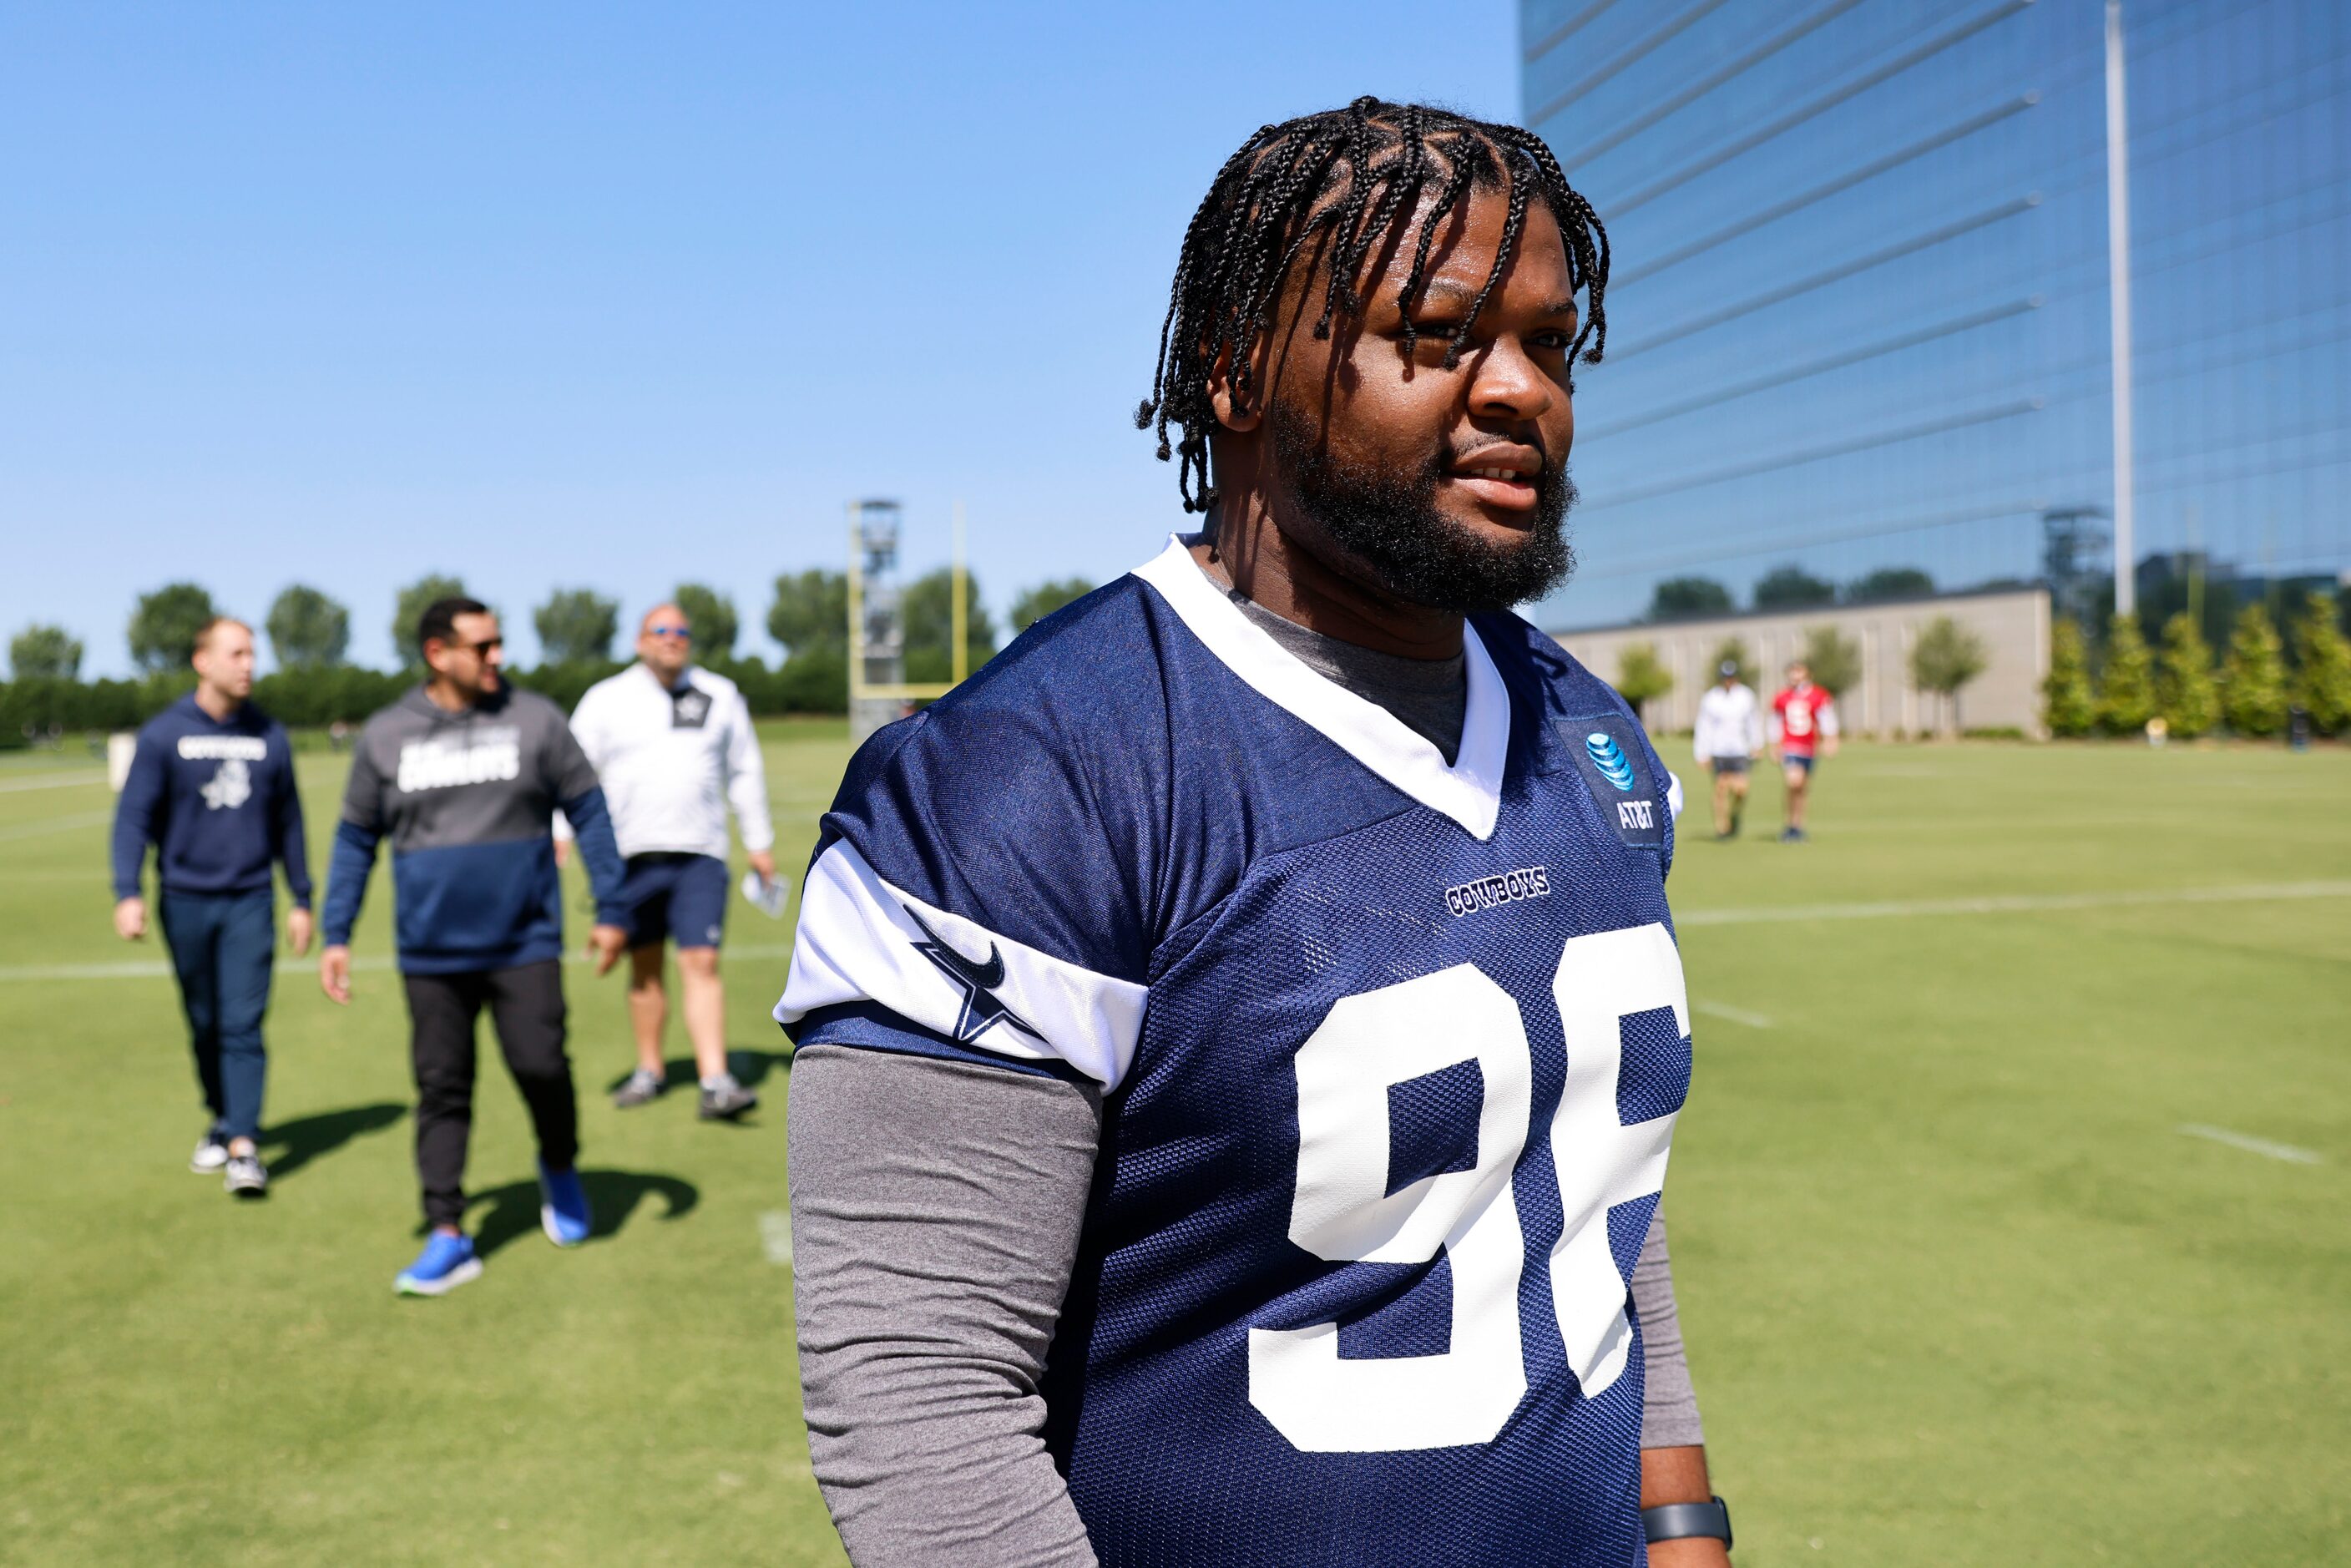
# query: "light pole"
x,y
2118,293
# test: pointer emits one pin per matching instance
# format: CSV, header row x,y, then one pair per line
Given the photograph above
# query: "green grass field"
x,y
1958,1286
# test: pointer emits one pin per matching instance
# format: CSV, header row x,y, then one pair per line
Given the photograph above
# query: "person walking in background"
x,y
675,747
1803,724
212,788
464,774
1728,739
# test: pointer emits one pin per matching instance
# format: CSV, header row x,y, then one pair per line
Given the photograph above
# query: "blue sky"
x,y
603,296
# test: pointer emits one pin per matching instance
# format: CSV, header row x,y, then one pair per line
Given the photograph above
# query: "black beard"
x,y
1388,519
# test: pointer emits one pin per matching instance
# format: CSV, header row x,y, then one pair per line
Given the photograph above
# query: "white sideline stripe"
x,y
154,969
2254,1145
13,785
775,1236
2017,903
46,825
1736,1015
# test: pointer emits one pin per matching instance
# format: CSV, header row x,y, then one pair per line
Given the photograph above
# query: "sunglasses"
x,y
682,633
483,649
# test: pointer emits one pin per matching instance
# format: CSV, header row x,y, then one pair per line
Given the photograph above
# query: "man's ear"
x,y
1229,413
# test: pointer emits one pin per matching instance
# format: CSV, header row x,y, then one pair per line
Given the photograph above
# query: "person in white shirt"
x,y
1728,737
674,747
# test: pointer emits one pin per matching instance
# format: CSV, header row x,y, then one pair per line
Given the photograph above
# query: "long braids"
x,y
1345,178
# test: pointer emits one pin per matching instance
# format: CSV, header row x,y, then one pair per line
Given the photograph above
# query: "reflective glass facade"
x,y
1859,314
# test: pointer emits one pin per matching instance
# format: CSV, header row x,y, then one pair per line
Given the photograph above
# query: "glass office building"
x,y
1859,317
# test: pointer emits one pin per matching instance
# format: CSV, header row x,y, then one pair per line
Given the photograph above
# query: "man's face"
x,y
226,662
1447,488
1799,676
665,641
470,659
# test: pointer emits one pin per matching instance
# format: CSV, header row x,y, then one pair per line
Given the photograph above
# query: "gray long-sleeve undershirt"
x,y
936,1210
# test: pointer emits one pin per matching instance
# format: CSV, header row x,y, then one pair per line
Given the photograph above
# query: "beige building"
x,y
2012,622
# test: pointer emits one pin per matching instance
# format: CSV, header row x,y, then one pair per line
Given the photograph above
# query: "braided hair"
x,y
1354,174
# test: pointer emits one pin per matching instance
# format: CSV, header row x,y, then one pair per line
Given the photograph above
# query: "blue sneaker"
x,y
447,1263
563,1212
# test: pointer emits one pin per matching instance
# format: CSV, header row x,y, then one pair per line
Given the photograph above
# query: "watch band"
x,y
1679,1520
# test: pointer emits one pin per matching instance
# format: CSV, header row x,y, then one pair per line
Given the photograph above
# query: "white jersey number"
x,y
1341,1211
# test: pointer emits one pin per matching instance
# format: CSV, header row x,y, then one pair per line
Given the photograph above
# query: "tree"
x,y
2324,685
1732,651
1686,598
307,630
1946,657
2252,681
1035,603
1641,676
164,625
2127,684
711,615
576,626
1833,659
1790,587
810,611
408,608
927,605
2184,692
2069,706
1889,582
45,653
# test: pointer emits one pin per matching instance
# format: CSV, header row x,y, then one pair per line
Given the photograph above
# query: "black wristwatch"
x,y
1680,1520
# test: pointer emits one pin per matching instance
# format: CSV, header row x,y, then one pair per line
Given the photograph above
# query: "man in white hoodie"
x,y
672,745
1728,739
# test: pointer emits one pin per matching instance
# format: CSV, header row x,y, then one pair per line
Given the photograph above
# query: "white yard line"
x,y
1736,1015
2252,1146
46,825
10,785
156,969
2016,903
775,1236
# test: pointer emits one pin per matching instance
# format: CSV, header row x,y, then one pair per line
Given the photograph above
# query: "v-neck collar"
x,y
1469,791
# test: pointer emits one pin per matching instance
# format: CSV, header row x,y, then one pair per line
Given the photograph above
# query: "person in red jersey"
x,y
1804,726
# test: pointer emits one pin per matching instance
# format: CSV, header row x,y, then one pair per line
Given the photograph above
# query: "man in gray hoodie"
x,y
464,774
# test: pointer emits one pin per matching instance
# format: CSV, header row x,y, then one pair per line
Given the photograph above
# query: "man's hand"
x,y
1691,1551
299,928
130,918
562,853
607,943
335,975
763,861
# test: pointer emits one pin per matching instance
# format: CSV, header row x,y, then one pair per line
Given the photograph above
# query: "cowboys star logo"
x,y
982,1008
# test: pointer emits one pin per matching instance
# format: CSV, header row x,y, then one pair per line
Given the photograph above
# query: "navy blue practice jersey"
x,y
1392,1052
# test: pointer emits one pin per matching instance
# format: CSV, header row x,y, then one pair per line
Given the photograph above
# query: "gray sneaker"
x,y
211,1153
726,1101
245,1176
642,1088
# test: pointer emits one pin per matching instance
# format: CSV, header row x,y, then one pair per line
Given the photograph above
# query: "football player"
x,y
1241,1030
1804,730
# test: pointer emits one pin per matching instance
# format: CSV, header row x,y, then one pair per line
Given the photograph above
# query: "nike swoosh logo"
x,y
987,975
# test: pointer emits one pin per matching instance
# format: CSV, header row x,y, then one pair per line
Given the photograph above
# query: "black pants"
x,y
526,1009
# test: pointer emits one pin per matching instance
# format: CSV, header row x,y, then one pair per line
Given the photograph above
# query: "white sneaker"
x,y
245,1177
212,1153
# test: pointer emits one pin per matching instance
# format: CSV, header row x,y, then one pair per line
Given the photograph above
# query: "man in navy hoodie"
x,y
212,787
464,774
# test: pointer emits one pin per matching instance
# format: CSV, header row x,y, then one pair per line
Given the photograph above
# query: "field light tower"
x,y
878,691
2118,282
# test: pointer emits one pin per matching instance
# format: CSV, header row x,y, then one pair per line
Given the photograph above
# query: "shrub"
x,y
2184,691
2253,679
2068,705
2126,695
2324,684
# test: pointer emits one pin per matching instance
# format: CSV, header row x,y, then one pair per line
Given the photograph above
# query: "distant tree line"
x,y
316,684
1787,586
2250,688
